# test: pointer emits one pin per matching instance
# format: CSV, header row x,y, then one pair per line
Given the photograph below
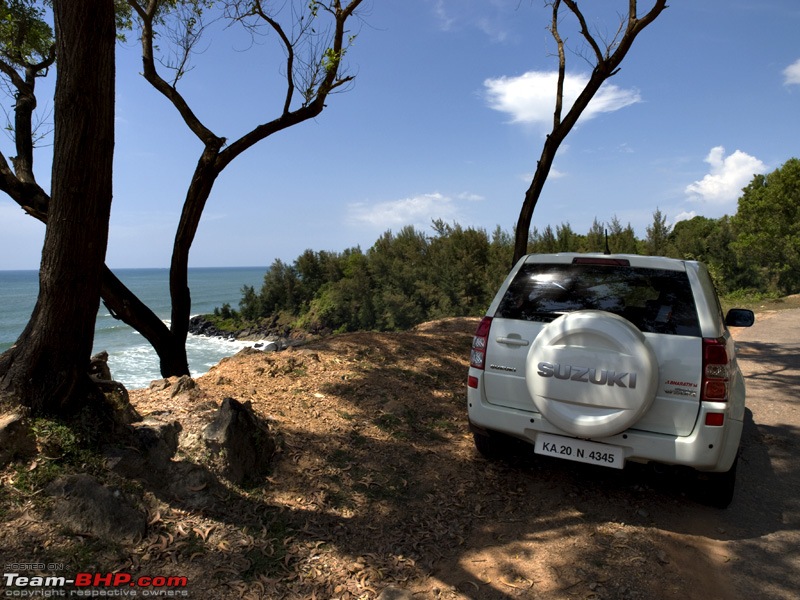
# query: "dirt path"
x,y
593,534
762,526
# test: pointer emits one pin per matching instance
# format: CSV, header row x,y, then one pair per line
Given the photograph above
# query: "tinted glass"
x,y
655,300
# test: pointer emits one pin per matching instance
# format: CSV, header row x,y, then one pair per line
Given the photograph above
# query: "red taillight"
x,y
716,369
477,356
473,382
599,260
715,419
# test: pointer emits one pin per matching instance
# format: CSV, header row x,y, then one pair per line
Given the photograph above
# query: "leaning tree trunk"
x,y
46,369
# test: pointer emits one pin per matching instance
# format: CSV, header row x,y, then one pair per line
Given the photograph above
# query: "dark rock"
x,y
16,438
115,392
240,443
98,366
147,454
184,384
85,506
157,440
268,346
159,384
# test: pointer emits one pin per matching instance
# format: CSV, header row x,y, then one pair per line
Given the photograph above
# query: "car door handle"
x,y
512,341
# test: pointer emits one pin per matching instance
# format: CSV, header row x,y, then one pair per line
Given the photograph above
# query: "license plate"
x,y
592,453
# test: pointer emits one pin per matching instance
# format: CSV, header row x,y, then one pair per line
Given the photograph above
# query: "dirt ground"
x,y
377,486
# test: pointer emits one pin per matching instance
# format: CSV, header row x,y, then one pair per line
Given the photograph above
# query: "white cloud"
x,y
792,73
418,211
726,178
530,98
444,18
684,216
490,18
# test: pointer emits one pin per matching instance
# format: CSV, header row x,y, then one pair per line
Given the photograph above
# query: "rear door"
x,y
657,301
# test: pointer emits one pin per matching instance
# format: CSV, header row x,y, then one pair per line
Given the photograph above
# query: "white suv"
x,y
604,359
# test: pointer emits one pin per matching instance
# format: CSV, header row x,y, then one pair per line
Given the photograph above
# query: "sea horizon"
x,y
131,358
116,269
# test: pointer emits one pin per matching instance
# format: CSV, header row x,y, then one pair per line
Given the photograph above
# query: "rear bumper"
x,y
707,448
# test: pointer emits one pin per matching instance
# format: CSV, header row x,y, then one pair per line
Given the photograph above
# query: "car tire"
x,y
717,489
490,446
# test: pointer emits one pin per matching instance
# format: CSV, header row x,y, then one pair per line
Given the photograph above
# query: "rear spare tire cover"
x,y
591,373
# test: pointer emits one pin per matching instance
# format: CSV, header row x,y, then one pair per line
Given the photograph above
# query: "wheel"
x,y
716,489
490,446
592,373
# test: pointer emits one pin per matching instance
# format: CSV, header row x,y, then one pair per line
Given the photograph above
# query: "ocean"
x,y
131,358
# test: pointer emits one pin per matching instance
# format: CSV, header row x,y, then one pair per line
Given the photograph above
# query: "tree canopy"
x,y
412,276
767,226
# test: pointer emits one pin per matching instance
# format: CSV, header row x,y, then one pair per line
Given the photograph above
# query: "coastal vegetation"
x,y
410,276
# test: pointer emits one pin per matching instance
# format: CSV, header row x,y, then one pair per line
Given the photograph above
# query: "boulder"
x,y
148,453
240,443
16,438
115,392
98,366
267,346
85,506
184,384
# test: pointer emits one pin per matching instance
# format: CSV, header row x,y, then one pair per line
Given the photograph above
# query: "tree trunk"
x,y
124,305
543,167
46,369
205,174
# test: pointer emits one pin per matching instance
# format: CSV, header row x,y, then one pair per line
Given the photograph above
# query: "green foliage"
x,y
409,277
64,448
405,278
657,241
25,36
621,240
767,226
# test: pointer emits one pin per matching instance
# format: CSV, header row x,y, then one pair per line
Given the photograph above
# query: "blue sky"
x,y
446,120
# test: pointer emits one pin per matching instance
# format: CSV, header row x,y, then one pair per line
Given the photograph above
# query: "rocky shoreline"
x,y
266,333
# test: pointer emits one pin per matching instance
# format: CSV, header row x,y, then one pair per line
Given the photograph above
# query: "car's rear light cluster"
x,y
716,370
477,356
596,260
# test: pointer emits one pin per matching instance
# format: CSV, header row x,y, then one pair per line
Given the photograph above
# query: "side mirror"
x,y
740,317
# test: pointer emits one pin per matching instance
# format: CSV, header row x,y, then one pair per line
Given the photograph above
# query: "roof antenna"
x,y
607,250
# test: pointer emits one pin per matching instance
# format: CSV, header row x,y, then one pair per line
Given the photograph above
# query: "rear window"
x,y
655,300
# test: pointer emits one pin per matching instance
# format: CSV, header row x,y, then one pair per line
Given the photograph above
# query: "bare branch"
x,y
323,79
562,65
573,6
185,28
288,46
147,17
607,64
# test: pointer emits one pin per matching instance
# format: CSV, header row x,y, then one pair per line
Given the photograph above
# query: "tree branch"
x,y
147,17
607,65
573,6
562,65
312,108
